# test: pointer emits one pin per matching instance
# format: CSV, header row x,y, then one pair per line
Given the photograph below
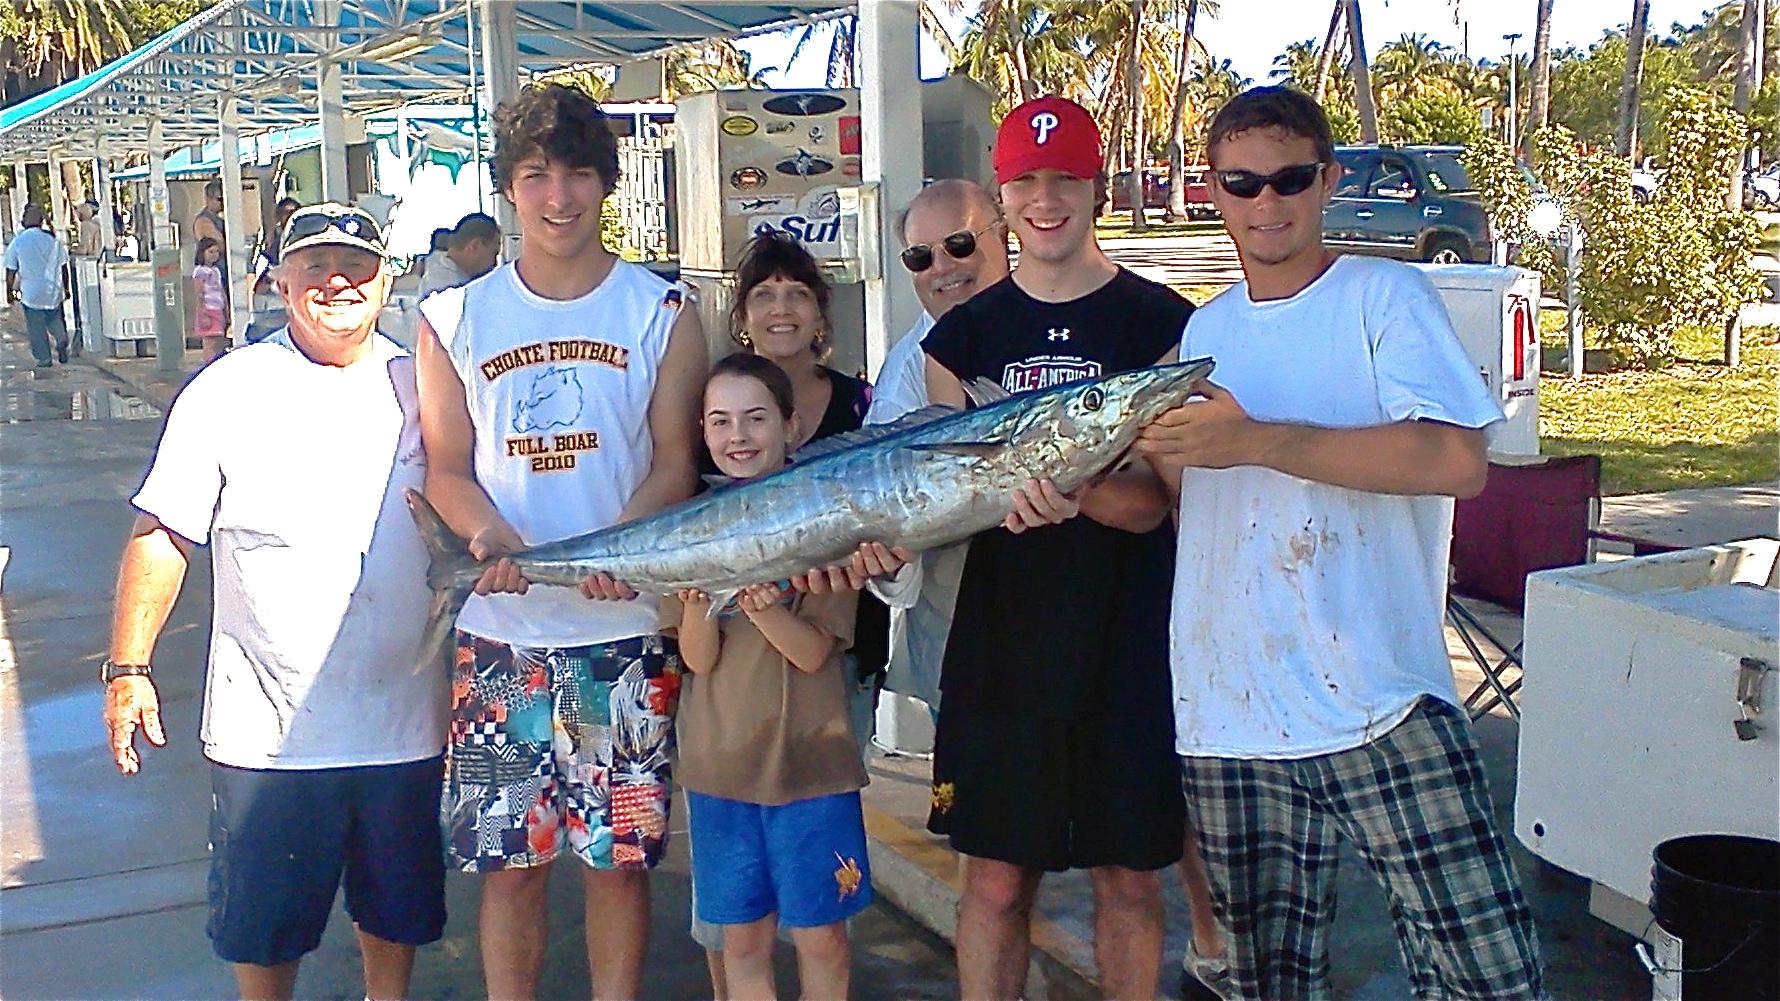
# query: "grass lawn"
x,y
1693,424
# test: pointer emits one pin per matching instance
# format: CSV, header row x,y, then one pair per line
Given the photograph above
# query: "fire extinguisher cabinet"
x,y
1496,313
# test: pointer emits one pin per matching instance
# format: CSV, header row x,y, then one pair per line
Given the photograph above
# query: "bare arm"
x,y
1405,457
148,582
806,645
700,640
673,421
942,385
449,437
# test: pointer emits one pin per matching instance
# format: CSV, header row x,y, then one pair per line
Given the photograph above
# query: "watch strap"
x,y
110,670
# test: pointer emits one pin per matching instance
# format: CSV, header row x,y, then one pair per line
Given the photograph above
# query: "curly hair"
x,y
774,254
1292,111
561,124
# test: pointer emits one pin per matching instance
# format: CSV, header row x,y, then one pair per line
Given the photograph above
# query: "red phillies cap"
x,y
1047,132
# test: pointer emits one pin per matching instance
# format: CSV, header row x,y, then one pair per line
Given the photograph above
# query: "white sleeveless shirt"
x,y
558,393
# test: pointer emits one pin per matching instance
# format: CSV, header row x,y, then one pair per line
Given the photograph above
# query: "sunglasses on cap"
x,y
306,224
919,257
1287,181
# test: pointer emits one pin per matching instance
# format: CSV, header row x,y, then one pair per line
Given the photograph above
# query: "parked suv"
x,y
1410,202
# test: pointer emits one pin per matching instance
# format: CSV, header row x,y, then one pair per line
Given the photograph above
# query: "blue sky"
x,y
1251,32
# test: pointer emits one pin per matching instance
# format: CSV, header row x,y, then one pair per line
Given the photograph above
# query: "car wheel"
x,y
1445,251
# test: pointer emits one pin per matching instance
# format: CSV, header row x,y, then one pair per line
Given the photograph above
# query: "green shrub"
x,y
1433,119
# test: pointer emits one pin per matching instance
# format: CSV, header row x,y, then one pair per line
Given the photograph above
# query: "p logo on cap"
x,y
1047,132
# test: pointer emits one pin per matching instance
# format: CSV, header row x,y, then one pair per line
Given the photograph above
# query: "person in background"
x,y
210,304
90,241
37,279
270,252
470,252
435,250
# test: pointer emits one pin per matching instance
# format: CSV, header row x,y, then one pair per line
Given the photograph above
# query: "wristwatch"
x,y
110,670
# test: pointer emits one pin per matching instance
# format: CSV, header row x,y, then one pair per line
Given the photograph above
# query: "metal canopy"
x,y
391,52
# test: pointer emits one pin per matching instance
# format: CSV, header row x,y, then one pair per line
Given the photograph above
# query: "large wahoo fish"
x,y
934,477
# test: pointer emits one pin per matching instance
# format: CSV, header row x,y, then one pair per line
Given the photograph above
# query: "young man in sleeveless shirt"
x,y
559,395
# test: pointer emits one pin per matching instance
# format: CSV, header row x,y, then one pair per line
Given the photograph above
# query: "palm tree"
x,y
1539,103
45,42
1362,76
1325,56
1629,83
1297,65
712,66
1411,66
1177,113
1134,111
842,43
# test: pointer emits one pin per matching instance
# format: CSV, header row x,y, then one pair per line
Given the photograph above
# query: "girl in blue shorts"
x,y
767,757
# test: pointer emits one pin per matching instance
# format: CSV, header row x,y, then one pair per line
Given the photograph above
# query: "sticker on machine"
x,y
740,125
804,104
760,204
820,236
804,164
779,128
849,129
747,178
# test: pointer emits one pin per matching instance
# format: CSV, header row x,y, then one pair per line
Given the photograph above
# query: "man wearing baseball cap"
x,y
289,458
1055,745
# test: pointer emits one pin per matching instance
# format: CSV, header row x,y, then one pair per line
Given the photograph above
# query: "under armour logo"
x,y
1043,123
1057,334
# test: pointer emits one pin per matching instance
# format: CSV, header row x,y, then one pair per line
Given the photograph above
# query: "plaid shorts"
x,y
1414,805
554,747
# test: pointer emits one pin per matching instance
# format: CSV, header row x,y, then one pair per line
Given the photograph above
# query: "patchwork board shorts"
x,y
804,860
1414,805
560,746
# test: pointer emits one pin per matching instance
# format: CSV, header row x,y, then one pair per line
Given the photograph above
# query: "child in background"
x,y
210,301
767,758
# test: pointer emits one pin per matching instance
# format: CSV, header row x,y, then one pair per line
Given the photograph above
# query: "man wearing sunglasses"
x,y
1313,696
289,458
1054,747
955,246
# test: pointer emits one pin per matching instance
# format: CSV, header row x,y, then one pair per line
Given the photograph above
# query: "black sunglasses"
x,y
1288,181
352,222
959,245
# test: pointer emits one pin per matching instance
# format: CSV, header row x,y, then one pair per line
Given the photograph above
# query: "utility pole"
x,y
1513,95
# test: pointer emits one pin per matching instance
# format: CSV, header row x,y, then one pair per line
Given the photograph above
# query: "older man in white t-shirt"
x,y
289,458
955,245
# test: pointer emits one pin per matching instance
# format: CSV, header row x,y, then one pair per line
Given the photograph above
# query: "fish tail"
x,y
448,575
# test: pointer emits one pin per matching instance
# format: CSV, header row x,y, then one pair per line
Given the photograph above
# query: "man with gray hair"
x,y
955,245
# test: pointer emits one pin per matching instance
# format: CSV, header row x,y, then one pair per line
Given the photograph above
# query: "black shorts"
x,y
1058,794
280,841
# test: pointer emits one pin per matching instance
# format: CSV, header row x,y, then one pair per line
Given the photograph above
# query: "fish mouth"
x,y
1169,386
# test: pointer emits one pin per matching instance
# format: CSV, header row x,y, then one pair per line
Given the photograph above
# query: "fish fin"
x,y
716,481
968,449
983,391
871,432
449,558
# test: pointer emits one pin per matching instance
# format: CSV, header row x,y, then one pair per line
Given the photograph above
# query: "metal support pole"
x,y
19,196
58,200
890,112
108,233
159,210
235,220
1573,324
332,108
500,75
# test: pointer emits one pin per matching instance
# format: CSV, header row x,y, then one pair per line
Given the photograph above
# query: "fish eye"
x,y
1093,400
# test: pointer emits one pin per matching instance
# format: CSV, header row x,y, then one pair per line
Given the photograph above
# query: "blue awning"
x,y
391,53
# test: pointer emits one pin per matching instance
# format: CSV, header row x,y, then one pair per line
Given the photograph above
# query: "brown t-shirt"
x,y
756,729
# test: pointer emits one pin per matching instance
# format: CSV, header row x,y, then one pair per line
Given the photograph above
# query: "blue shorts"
x,y
804,860
280,841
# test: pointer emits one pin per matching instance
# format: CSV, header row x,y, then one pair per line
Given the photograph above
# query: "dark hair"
x,y
762,370
774,254
441,239
475,226
1273,107
561,123
203,245
288,202
213,188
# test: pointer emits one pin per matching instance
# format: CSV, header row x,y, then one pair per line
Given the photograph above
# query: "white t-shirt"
x,y
441,273
901,385
558,393
293,472
1307,617
38,257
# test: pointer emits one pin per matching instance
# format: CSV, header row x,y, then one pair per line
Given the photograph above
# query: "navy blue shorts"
x,y
804,860
280,841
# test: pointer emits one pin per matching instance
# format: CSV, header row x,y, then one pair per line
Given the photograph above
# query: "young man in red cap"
x,y
1055,747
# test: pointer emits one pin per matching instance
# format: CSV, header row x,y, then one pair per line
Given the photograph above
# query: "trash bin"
x,y
1720,895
